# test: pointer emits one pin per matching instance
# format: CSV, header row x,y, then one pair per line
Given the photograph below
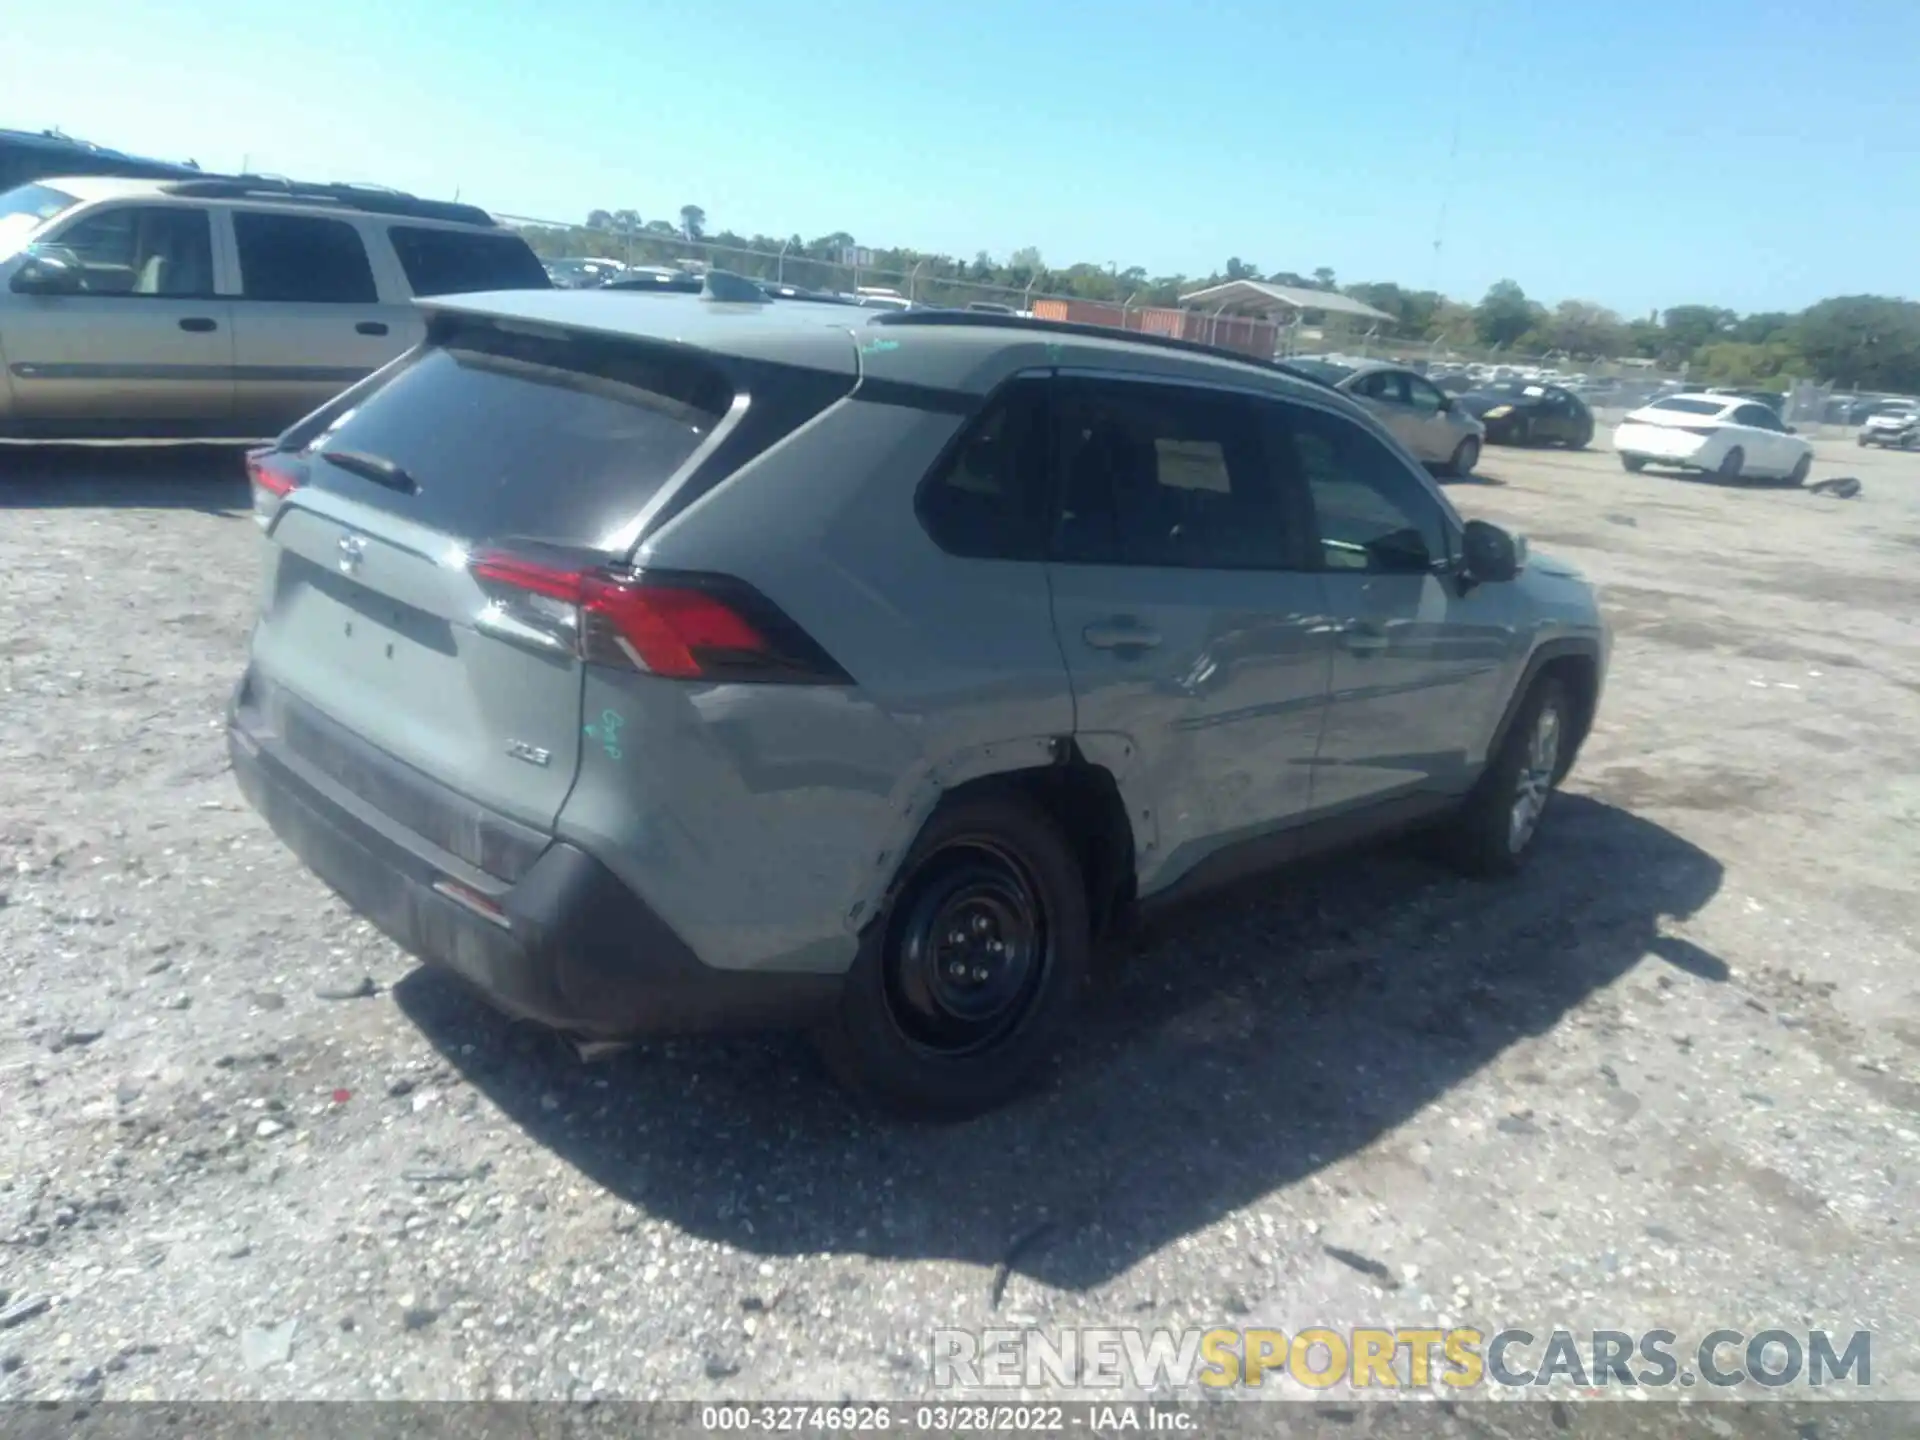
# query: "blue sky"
x,y
1748,153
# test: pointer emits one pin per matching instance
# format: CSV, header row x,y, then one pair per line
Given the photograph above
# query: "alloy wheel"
x,y
1535,781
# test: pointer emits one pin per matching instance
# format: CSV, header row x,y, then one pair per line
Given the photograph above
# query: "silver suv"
x,y
658,662
218,307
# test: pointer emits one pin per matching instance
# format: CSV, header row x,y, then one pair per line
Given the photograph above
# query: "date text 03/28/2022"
x,y
963,1418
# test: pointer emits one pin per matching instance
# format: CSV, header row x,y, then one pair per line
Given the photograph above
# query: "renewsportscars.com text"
x,y
1398,1358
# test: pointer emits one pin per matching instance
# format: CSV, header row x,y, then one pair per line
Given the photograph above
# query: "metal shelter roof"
x,y
1260,298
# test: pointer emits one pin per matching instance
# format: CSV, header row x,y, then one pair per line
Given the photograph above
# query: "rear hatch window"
x,y
504,434
460,262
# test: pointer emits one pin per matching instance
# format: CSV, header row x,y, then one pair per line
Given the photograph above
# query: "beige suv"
x,y
219,308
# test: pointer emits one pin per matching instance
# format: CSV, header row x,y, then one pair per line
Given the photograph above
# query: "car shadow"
x,y
1240,1046
208,478
1476,478
1716,481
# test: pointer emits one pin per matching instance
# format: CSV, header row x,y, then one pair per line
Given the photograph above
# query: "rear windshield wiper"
x,y
376,468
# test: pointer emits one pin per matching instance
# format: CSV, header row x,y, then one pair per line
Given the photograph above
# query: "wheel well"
x,y
1581,675
1084,801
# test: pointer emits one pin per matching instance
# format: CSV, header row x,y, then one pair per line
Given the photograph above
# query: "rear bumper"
x,y
1666,445
567,944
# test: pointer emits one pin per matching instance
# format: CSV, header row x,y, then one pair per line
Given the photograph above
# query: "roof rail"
x,y
987,320
376,199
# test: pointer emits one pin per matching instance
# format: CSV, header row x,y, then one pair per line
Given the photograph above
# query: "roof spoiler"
x,y
731,289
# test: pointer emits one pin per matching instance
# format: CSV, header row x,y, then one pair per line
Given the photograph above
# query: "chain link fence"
x,y
1610,387
921,284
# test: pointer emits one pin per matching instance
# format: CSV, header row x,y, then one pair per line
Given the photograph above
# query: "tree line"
x,y
1864,342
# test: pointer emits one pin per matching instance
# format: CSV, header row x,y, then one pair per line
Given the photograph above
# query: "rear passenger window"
x,y
987,499
1372,513
459,262
302,258
1166,475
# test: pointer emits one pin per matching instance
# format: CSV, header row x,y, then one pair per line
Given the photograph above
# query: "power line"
x,y
1453,146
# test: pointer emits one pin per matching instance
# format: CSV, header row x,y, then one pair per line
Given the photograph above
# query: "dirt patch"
x,y
1713,789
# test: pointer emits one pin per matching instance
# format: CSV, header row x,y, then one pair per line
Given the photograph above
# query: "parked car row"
x,y
591,273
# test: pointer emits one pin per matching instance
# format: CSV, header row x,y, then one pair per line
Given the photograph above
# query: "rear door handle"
x,y
371,327
199,324
1364,639
1120,634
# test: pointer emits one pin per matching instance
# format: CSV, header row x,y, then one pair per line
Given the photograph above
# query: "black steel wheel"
x,y
965,981
969,950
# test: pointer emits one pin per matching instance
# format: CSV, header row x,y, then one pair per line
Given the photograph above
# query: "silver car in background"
x,y
1422,416
219,307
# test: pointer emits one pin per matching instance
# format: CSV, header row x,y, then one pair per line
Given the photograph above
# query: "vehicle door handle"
x,y
371,327
199,324
1364,639
1122,634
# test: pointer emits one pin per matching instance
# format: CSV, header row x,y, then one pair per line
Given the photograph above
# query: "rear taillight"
x,y
274,475
675,625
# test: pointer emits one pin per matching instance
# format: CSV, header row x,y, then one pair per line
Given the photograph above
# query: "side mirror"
x,y
1491,555
51,270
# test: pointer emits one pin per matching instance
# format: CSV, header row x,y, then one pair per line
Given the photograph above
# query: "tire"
x,y
1466,455
1634,463
1523,432
1582,440
1488,838
1798,475
1861,440
918,1036
1731,464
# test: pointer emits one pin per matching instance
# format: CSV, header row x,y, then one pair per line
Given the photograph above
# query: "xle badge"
x,y
532,754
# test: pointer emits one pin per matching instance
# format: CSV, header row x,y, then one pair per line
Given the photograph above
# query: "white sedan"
x,y
1722,434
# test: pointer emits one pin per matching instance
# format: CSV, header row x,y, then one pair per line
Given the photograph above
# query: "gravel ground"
x,y
1670,1078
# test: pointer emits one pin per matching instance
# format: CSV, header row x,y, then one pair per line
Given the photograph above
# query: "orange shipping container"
x,y
1243,333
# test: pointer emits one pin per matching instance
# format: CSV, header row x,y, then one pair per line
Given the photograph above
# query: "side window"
x,y
1167,475
1371,512
1757,416
1374,386
302,257
1423,396
459,262
143,250
987,498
